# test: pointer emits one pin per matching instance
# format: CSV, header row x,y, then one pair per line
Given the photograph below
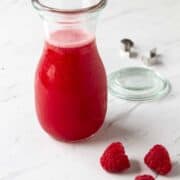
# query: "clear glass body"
x,y
70,81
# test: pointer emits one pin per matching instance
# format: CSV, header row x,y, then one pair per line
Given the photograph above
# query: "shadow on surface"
x,y
113,129
135,167
175,170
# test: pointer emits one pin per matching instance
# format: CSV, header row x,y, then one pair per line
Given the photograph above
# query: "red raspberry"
x,y
144,177
116,146
114,158
158,160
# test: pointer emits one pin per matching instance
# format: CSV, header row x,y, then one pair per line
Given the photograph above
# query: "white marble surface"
x,y
27,153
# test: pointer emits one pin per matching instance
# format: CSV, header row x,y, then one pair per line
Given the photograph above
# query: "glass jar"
x,y
70,81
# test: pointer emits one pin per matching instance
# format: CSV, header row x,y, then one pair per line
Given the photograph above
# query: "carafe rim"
x,y
38,5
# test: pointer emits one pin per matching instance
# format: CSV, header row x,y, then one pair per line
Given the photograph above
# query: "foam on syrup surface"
x,y
70,38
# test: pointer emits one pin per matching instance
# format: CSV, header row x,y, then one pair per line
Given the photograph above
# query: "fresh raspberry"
x,y
158,160
114,158
116,146
144,177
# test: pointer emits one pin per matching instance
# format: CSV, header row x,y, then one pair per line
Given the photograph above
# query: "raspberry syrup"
x,y
71,86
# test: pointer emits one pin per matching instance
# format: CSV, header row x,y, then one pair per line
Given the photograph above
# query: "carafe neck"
x,y
68,17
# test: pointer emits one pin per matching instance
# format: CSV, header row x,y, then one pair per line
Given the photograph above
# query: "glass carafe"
x,y
70,81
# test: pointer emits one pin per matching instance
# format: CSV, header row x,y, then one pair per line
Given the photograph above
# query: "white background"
x,y
27,153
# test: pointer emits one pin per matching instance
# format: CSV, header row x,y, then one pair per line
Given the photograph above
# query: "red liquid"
x,y
70,86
